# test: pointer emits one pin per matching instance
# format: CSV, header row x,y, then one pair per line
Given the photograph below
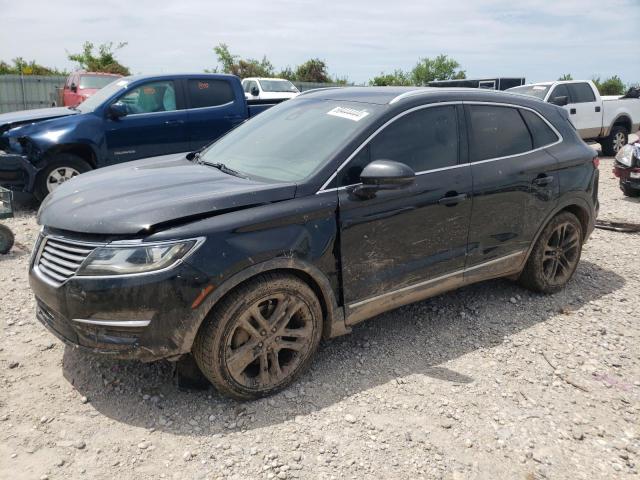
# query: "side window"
x,y
540,131
246,86
151,97
496,132
209,93
560,91
581,93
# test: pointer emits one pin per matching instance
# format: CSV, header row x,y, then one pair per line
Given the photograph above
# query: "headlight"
x,y
131,259
625,155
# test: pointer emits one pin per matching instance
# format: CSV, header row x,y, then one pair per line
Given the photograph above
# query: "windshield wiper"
x,y
223,168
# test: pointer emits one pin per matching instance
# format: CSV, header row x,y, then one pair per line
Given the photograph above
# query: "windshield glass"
x,y
290,141
538,91
278,86
95,100
96,81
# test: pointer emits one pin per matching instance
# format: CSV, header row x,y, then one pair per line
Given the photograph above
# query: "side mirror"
x,y
117,110
383,175
254,91
73,88
560,101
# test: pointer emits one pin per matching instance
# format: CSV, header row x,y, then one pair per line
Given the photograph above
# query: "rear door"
x,y
400,238
214,109
584,109
154,125
515,183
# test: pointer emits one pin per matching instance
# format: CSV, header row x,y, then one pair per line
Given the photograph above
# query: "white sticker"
x,y
350,113
539,87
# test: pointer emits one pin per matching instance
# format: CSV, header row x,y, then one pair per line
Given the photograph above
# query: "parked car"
x,y
627,169
607,120
132,118
495,83
80,86
322,212
269,88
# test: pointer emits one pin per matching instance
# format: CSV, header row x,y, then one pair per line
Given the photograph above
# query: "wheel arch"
x,y
622,120
82,150
333,321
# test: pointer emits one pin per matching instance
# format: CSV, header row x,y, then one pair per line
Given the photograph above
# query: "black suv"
x,y
322,212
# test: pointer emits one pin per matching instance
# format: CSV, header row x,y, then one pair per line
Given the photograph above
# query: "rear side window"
x,y
497,132
209,93
425,139
540,131
581,93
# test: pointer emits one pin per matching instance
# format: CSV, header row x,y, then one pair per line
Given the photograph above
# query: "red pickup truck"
x,y
81,85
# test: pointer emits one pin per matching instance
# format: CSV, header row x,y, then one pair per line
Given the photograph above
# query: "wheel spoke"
x,y
554,269
275,365
289,345
264,369
564,263
295,332
256,314
570,242
241,358
245,324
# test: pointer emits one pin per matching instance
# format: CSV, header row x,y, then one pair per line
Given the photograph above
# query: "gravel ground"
x,y
490,381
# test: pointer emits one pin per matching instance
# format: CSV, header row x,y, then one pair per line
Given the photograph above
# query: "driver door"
x,y
155,123
402,238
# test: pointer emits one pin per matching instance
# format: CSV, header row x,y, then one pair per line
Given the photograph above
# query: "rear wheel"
x,y
617,139
261,337
555,256
61,168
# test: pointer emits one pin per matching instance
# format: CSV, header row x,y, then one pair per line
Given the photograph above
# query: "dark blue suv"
x,y
131,118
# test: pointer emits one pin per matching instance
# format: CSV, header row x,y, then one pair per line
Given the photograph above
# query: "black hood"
x,y
10,120
134,197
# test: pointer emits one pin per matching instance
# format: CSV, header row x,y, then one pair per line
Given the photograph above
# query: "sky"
x,y
537,39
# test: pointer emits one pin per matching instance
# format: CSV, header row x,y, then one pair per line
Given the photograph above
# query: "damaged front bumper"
x,y
17,173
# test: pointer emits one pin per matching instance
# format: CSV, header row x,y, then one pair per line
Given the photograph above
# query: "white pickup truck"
x,y
268,89
607,120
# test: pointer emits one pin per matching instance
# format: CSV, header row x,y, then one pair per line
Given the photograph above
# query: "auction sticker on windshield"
x,y
350,113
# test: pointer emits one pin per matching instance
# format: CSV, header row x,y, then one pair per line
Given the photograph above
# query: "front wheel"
x,y
618,138
61,168
555,256
261,337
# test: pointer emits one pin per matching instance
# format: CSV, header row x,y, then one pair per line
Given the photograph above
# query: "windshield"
x,y
95,100
278,86
291,141
538,91
96,81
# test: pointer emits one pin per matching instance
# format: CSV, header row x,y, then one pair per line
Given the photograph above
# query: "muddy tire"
x,y
6,239
628,191
260,337
60,168
618,138
555,256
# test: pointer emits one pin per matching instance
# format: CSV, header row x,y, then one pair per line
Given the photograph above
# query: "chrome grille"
x,y
59,259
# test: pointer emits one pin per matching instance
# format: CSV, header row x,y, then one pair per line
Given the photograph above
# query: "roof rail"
x,y
407,94
316,89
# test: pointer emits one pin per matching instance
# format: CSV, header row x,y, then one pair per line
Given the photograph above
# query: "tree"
x,y
611,86
398,77
22,67
313,70
566,76
440,68
243,68
104,61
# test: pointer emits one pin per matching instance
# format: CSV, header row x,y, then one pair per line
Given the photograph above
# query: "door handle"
x,y
543,181
451,200
572,111
597,109
174,122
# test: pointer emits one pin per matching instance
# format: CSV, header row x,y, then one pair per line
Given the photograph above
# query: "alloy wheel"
x,y
269,341
561,253
60,175
618,141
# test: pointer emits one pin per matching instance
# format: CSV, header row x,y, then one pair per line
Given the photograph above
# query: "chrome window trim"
x,y
114,323
433,280
323,188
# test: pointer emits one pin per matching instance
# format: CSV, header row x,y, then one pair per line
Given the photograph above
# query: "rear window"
x,y
497,132
209,93
581,93
96,81
540,131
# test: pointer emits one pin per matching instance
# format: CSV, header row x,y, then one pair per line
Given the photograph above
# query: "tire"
x,y
242,349
555,256
6,239
618,138
628,191
63,166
